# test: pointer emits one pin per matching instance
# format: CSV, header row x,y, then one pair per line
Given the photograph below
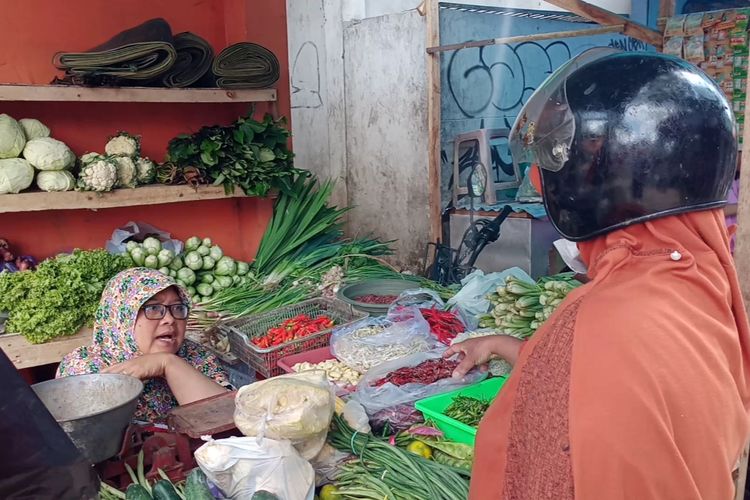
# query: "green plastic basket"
x,y
433,407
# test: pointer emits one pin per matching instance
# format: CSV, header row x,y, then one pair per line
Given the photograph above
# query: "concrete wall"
x,y
386,119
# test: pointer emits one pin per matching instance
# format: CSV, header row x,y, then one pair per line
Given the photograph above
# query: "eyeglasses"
x,y
158,311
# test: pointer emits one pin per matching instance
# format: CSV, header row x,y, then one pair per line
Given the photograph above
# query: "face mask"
x,y
568,250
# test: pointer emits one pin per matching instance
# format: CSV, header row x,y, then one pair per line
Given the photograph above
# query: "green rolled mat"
x,y
194,58
246,65
139,54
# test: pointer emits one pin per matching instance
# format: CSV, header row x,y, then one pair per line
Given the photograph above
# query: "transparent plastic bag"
x,y
138,231
395,419
424,298
375,399
241,466
372,341
472,298
297,407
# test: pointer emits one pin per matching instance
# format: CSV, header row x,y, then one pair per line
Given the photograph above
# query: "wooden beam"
x,y
666,8
432,17
615,28
607,18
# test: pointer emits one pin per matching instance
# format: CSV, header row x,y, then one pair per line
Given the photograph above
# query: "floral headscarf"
x,y
114,341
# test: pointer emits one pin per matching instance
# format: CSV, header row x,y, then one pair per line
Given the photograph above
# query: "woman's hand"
x,y
143,367
480,350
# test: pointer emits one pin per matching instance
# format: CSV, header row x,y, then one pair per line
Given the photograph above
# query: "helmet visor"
x,y
544,129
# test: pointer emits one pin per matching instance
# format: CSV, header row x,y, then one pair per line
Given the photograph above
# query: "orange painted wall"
x,y
31,31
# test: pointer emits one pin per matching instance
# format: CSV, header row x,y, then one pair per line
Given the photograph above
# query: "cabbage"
x,y
48,154
12,137
16,174
126,172
55,180
33,129
123,144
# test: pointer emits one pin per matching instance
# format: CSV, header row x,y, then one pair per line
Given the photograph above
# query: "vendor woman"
x,y
139,330
638,386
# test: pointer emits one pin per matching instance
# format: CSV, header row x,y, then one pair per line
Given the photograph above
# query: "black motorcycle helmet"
x,y
625,137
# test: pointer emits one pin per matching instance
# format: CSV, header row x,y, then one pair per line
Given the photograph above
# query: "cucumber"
x,y
137,492
196,487
264,495
164,490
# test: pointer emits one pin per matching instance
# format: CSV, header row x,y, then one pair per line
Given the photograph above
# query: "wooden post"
x,y
606,18
615,28
432,16
666,8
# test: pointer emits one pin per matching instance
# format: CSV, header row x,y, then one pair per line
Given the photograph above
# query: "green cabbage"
x,y
55,180
33,129
16,174
48,154
12,137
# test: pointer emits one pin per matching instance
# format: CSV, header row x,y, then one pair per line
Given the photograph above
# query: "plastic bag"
x,y
372,341
297,407
327,464
404,307
138,231
475,287
395,419
241,466
355,415
375,399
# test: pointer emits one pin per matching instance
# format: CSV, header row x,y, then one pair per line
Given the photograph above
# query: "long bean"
x,y
395,468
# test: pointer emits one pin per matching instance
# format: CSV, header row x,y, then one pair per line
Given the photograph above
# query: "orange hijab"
x,y
638,386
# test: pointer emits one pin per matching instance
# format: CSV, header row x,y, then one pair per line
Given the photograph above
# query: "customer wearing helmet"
x,y
638,386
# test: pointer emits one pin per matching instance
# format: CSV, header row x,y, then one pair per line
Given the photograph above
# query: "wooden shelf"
x,y
24,354
63,93
145,195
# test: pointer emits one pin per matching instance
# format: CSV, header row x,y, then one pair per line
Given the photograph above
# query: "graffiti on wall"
x,y
498,78
305,77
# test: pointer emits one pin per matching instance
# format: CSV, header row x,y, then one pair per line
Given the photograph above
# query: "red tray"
x,y
315,356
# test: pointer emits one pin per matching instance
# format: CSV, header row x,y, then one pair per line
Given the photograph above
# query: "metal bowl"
x,y
349,293
94,410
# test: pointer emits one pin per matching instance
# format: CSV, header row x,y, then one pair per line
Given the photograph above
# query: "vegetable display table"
x,y
24,354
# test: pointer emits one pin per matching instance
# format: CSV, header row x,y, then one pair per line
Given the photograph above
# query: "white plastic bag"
x,y
475,287
388,395
372,341
297,407
241,466
138,231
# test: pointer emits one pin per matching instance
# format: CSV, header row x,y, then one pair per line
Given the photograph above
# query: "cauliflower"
x,y
123,144
126,172
34,129
55,180
46,153
16,174
12,137
146,170
98,175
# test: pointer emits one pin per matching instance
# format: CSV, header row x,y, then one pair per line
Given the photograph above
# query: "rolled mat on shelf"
x,y
246,65
138,54
194,58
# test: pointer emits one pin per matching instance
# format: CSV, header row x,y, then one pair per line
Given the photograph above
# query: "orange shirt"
x,y
637,386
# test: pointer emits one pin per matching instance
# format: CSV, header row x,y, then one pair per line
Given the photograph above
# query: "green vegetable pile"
x,y
60,297
385,471
202,269
195,486
467,410
248,154
519,308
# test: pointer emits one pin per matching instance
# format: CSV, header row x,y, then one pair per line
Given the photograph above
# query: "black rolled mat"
x,y
246,65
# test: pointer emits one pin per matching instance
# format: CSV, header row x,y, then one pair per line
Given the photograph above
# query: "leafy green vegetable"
x,y
60,297
248,154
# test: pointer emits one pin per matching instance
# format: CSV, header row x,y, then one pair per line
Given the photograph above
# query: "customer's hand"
x,y
143,367
478,352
